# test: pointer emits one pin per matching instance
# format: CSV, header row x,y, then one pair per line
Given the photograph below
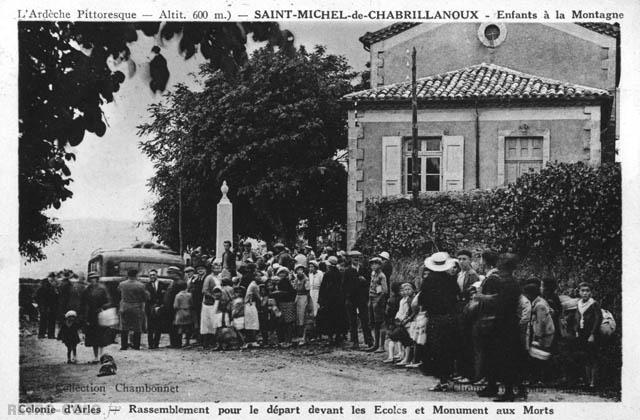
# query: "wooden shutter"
x,y
391,166
453,168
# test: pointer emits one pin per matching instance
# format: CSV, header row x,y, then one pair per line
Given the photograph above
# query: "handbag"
x,y
108,318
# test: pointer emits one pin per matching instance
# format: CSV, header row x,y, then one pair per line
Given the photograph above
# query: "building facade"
x,y
494,101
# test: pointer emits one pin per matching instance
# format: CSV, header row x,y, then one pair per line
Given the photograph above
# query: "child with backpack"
x,y
588,320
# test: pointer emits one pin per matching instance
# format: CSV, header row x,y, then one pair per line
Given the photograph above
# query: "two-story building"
x,y
494,100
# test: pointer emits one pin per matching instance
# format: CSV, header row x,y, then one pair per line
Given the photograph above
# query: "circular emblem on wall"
x,y
492,34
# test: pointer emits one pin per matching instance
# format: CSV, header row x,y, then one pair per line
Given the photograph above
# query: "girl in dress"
x,y
418,328
315,280
68,334
237,310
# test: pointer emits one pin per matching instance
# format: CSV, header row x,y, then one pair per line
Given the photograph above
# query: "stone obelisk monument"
x,y
224,223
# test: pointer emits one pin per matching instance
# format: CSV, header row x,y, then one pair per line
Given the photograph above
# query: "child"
x,y
237,310
265,315
588,320
285,298
392,307
418,327
183,319
377,304
399,336
68,334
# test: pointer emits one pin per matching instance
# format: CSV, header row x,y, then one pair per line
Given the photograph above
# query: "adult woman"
x,y
315,280
438,296
95,299
251,308
285,297
208,312
332,312
302,286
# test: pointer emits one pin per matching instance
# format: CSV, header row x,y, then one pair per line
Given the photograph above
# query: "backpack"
x,y
608,325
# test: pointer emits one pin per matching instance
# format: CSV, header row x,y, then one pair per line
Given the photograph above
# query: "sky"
x,y
110,173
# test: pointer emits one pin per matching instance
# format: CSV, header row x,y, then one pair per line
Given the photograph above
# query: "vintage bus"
x,y
112,265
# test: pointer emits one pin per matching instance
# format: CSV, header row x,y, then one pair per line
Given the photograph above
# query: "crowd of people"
x,y
462,320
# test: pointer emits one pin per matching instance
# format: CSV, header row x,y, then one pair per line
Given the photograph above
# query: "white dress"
x,y
314,282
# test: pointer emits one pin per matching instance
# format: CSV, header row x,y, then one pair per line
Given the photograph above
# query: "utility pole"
x,y
415,187
181,238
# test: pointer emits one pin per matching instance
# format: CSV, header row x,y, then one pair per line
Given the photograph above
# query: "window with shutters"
x,y
429,164
522,154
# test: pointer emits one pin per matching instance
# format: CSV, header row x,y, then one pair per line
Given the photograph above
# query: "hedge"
x,y
564,221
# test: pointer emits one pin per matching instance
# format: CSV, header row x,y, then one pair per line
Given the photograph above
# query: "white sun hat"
x,y
440,261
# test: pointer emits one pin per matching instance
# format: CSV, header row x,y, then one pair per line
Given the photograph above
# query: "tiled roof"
x,y
612,30
387,32
609,29
482,81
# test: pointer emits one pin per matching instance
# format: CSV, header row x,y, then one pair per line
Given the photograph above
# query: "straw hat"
x,y
439,261
384,255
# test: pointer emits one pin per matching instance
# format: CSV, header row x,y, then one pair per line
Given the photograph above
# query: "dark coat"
x,y
168,312
46,297
75,298
196,293
152,308
332,315
94,299
505,354
229,261
356,284
439,294
592,321
64,292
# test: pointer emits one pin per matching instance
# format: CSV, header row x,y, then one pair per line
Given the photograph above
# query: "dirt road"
x,y
192,375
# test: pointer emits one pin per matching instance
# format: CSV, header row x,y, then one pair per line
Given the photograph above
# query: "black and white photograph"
x,y
283,209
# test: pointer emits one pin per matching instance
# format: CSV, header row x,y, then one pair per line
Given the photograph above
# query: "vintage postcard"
x,y
300,209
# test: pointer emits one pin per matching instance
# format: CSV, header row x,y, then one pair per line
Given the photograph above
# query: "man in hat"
x,y
499,300
356,291
47,300
195,288
154,322
133,297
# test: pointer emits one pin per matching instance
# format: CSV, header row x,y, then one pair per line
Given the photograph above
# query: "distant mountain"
x,y
79,238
